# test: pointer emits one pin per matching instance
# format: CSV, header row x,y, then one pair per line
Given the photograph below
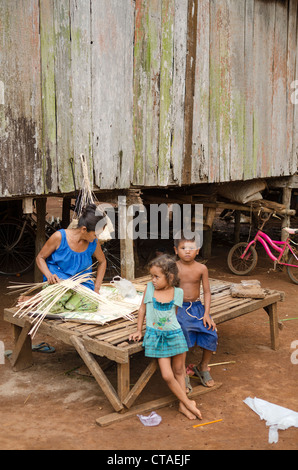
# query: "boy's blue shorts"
x,y
190,317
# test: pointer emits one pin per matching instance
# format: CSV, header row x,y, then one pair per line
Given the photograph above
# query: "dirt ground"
x,y
52,406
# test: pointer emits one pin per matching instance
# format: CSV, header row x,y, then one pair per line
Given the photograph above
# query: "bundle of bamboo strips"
x,y
40,304
86,197
86,194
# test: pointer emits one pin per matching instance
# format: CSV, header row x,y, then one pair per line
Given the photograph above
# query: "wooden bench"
x,y
111,341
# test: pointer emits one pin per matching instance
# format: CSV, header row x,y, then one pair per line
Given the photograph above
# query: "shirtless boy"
x,y
194,318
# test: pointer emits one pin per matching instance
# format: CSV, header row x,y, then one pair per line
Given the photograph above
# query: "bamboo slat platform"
x,y
111,341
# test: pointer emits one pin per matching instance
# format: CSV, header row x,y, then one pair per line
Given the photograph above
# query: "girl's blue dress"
x,y
164,336
65,263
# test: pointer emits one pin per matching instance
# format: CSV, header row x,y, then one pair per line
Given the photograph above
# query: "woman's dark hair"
x,y
90,217
168,266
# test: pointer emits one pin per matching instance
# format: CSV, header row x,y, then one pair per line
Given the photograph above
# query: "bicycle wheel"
x,y
242,266
19,258
293,270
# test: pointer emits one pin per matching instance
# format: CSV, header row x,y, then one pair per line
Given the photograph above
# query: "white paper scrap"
x,y
276,417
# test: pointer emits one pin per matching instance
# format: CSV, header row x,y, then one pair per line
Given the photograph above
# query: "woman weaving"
x,y
69,252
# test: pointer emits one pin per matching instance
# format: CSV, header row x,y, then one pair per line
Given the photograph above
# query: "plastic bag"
x,y
124,287
152,420
277,417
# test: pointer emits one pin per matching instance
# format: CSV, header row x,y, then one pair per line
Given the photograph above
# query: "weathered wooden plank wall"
x,y
20,109
153,93
243,116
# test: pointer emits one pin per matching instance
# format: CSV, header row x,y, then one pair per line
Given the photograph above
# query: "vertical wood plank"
x,y
47,53
291,73
178,96
140,384
215,83
139,93
237,88
22,354
166,91
220,90
123,379
189,90
80,30
126,238
264,20
112,75
294,160
64,105
225,91
200,137
40,240
273,320
279,99
248,171
147,90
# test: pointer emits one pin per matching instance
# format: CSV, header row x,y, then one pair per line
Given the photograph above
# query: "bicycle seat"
x,y
291,231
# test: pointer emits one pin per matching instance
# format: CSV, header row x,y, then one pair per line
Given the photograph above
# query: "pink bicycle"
x,y
243,257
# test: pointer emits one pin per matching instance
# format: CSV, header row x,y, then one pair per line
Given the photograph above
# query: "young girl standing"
x,y
164,338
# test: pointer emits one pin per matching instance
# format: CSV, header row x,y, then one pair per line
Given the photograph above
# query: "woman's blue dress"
x,y
65,263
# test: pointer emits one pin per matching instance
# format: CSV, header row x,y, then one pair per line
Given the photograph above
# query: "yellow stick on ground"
x,y
204,424
222,363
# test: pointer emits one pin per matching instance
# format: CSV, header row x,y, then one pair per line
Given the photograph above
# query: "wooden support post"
x,y
207,234
126,240
22,354
273,319
141,383
97,373
286,221
123,379
40,233
207,243
211,212
28,205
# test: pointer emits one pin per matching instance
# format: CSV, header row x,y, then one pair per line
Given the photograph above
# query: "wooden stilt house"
x,y
174,95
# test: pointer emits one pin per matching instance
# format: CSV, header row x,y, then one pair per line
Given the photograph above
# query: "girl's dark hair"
x,y
168,266
90,217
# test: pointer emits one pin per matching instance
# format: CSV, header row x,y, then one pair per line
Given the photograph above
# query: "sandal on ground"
x,y
43,348
204,376
188,384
